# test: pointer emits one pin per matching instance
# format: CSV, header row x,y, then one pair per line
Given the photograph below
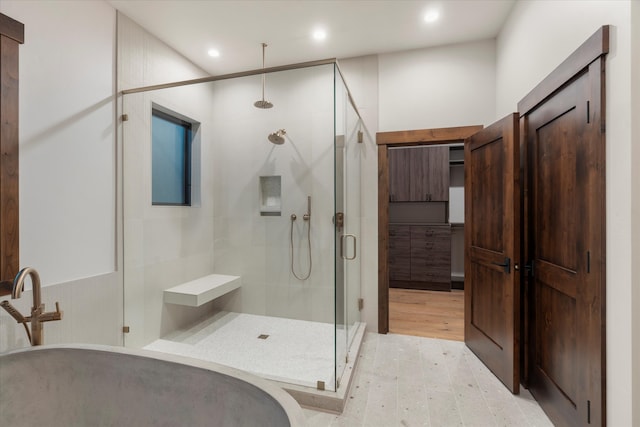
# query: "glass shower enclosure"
x,y
273,212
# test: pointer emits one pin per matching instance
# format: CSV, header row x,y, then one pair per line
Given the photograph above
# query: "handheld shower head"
x,y
277,137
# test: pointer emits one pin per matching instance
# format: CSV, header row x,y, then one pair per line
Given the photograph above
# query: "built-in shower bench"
x,y
202,290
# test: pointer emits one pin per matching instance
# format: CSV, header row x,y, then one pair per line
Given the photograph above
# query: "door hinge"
x,y
125,117
125,329
360,304
588,412
588,262
588,112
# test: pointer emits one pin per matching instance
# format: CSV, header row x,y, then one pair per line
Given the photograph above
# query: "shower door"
x,y
347,224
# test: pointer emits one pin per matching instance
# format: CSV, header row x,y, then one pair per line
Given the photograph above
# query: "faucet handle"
x,y
52,315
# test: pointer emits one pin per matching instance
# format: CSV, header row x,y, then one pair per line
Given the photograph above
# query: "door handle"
x,y
506,265
529,267
355,242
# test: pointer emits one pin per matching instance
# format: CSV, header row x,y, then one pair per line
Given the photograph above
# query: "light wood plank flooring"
x,y
430,314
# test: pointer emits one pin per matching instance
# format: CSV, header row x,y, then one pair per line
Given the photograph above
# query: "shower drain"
x,y
263,336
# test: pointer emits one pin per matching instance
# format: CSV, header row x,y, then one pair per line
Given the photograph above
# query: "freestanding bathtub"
x,y
88,385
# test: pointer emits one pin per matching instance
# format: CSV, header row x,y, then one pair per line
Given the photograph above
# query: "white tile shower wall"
x,y
68,223
257,247
163,245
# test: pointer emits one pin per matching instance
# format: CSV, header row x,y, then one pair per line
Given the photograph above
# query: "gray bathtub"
x,y
87,385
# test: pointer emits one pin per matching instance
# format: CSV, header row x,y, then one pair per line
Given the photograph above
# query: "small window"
x,y
171,139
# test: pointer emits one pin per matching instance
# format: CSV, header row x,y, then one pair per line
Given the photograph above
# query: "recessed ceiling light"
x,y
431,16
319,34
214,53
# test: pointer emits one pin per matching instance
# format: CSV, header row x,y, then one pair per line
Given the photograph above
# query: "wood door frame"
x,y
589,57
11,37
404,138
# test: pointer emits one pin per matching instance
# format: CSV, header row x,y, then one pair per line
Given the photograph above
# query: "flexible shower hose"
x,y
309,242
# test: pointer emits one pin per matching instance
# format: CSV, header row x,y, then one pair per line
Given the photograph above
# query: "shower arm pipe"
x,y
264,45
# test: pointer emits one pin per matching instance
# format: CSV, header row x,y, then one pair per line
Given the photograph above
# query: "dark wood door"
x,y
492,245
565,227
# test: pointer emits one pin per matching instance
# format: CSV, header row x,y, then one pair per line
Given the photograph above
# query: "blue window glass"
x,y
170,160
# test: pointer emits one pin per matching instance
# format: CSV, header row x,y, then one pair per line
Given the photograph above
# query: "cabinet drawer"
x,y
399,237
399,267
400,231
430,232
399,252
431,253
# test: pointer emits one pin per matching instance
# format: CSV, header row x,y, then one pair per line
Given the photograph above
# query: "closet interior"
x,y
426,217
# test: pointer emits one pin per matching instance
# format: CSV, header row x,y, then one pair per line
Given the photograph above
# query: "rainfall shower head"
x,y
262,103
277,137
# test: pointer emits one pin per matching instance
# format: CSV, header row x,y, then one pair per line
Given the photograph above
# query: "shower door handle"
x,y
355,244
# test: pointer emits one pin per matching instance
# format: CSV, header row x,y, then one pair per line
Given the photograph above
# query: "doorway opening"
x,y
426,240
413,211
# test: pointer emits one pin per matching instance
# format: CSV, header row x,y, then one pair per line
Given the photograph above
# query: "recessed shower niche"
x,y
271,195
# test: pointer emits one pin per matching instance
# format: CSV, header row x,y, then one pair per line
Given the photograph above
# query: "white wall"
x,y
635,209
438,87
67,130
537,37
68,223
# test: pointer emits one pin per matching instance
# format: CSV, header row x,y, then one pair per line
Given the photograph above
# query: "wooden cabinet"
x,y
431,254
399,252
420,256
400,175
419,174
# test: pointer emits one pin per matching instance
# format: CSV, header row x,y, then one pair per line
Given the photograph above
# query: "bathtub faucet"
x,y
38,316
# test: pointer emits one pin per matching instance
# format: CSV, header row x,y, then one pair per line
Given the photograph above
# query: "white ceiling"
x,y
355,27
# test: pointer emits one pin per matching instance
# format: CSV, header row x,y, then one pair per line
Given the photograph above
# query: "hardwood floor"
x,y
430,314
